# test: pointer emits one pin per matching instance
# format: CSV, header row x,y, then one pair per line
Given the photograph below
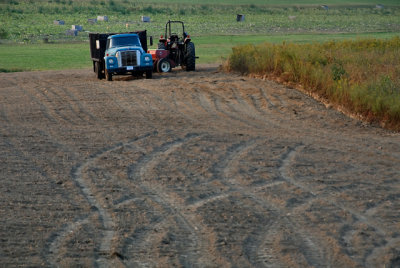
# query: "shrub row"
x,y
360,75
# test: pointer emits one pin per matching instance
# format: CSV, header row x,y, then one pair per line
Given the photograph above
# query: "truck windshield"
x,y
123,41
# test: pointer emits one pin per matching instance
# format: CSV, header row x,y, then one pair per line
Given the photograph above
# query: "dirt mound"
x,y
193,169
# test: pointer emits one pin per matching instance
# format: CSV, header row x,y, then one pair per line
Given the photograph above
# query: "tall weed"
x,y
362,75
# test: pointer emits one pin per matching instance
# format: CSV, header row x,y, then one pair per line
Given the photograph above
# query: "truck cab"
x,y
118,54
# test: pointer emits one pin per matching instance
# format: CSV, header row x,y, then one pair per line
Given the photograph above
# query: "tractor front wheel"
x,y
149,74
163,66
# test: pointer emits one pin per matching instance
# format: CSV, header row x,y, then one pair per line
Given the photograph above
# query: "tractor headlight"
x,y
110,61
147,58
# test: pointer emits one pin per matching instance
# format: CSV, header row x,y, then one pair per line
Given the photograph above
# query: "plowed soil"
x,y
190,169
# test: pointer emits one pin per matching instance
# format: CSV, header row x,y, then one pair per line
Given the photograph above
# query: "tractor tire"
x,y
149,74
108,75
163,66
161,46
98,70
190,57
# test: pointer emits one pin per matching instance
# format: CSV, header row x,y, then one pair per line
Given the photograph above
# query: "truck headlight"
x,y
147,58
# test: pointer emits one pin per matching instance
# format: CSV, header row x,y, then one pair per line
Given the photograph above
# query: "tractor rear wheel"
x,y
163,66
190,57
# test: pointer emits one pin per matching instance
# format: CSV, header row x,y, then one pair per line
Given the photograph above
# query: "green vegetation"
x,y
44,57
55,56
218,48
286,2
362,75
30,21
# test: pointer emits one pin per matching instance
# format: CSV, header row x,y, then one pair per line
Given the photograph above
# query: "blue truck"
x,y
118,54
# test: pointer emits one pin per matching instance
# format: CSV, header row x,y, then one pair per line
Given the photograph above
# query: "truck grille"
x,y
128,58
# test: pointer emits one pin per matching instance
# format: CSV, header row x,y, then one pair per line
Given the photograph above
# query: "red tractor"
x,y
174,49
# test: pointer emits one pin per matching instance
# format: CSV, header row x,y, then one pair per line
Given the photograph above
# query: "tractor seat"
x,y
174,38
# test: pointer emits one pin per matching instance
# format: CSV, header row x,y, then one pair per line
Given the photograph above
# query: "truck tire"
x,y
163,66
98,70
108,75
190,57
149,74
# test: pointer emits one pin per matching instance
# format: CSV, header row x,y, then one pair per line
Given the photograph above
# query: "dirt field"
x,y
200,169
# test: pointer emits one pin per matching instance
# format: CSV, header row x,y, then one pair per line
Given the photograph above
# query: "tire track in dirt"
x,y
43,107
311,251
203,100
359,217
170,106
206,105
272,101
128,105
223,106
269,178
284,171
218,174
56,103
241,107
210,100
106,221
225,168
41,172
192,246
271,104
223,171
56,240
243,110
81,111
3,114
251,111
61,95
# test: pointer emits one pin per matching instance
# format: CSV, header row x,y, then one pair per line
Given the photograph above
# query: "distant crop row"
x,y
361,75
30,21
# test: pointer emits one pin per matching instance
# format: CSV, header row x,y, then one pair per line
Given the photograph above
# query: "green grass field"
x,y
25,23
25,57
285,2
30,21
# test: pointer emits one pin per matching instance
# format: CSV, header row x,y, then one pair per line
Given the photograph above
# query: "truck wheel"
x,y
149,74
108,76
190,57
98,70
163,66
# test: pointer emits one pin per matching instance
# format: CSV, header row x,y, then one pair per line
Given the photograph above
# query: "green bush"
x,y
363,75
3,34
